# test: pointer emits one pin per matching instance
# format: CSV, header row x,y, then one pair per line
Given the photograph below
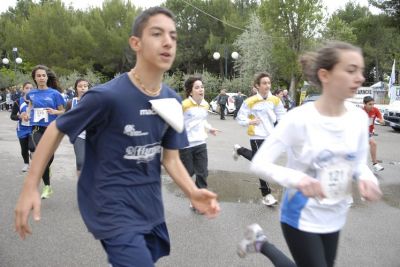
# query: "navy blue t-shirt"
x,y
119,189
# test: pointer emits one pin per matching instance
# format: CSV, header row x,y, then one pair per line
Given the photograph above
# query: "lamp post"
x,y
234,55
17,59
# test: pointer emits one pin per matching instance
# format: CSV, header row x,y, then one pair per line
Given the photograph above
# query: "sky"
x,y
83,4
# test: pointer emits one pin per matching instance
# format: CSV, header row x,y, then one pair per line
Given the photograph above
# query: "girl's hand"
x,y
310,187
52,111
24,116
369,190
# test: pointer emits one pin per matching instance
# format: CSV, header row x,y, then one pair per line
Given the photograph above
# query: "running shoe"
x,y
378,167
235,153
47,192
254,238
269,200
25,168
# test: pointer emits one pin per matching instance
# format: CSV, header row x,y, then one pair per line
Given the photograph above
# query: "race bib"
x,y
39,114
336,181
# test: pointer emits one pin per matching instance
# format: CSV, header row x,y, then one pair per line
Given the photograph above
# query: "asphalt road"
x,y
371,236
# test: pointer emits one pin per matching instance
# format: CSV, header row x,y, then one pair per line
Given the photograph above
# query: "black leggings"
x,y
34,139
24,143
307,249
249,154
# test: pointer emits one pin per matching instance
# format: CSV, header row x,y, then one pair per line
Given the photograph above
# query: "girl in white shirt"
x,y
195,112
326,143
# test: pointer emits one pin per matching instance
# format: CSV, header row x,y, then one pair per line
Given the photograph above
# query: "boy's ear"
x,y
134,43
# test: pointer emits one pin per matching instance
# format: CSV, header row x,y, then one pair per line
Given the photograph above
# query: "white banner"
x,y
392,88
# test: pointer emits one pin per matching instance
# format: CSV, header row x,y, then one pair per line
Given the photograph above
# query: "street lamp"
x,y
17,59
5,61
234,55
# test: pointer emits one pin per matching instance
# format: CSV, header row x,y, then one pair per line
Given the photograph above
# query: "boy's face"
x,y
157,45
368,106
265,86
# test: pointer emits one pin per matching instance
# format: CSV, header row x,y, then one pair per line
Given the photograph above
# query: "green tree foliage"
x,y
375,34
391,8
337,29
255,49
293,24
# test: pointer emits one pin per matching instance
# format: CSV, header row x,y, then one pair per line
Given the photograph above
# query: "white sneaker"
x,y
254,237
269,200
25,168
235,153
378,167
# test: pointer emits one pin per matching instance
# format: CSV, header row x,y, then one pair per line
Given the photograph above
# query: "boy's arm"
x,y
29,198
202,199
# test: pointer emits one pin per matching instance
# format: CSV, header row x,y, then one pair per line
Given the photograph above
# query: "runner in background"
x,y
260,113
81,87
45,105
373,114
24,129
195,112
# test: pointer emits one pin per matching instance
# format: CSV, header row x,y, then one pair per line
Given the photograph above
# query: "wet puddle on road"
x,y
239,187
230,187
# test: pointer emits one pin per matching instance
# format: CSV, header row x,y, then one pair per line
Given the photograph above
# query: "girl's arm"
x,y
263,164
60,110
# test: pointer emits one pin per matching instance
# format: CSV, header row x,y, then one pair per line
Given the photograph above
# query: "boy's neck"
x,y
147,79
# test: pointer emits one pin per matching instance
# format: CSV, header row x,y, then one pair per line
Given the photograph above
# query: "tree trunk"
x,y
292,87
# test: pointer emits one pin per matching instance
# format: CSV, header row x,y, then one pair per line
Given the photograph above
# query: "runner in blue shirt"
x,y
45,105
24,129
119,190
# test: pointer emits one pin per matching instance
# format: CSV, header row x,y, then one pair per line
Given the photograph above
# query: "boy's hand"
x,y
27,201
205,202
214,131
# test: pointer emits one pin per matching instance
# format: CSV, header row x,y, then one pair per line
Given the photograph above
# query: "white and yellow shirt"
x,y
269,111
195,118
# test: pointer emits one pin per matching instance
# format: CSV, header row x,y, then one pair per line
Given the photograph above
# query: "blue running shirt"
x,y
119,189
41,99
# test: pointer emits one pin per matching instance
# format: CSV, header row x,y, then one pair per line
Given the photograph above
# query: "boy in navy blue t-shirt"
x,y
119,190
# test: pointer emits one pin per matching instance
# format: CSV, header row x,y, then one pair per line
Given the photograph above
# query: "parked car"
x,y
392,115
230,107
310,98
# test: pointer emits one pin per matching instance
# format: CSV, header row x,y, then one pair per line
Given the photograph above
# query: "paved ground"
x,y
370,238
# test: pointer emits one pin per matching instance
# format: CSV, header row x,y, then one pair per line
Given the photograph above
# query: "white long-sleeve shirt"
x,y
195,119
331,149
269,111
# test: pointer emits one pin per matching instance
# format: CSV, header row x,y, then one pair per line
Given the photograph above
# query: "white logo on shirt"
x,y
129,130
144,112
142,153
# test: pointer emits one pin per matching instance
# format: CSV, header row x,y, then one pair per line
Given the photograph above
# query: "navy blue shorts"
x,y
137,249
